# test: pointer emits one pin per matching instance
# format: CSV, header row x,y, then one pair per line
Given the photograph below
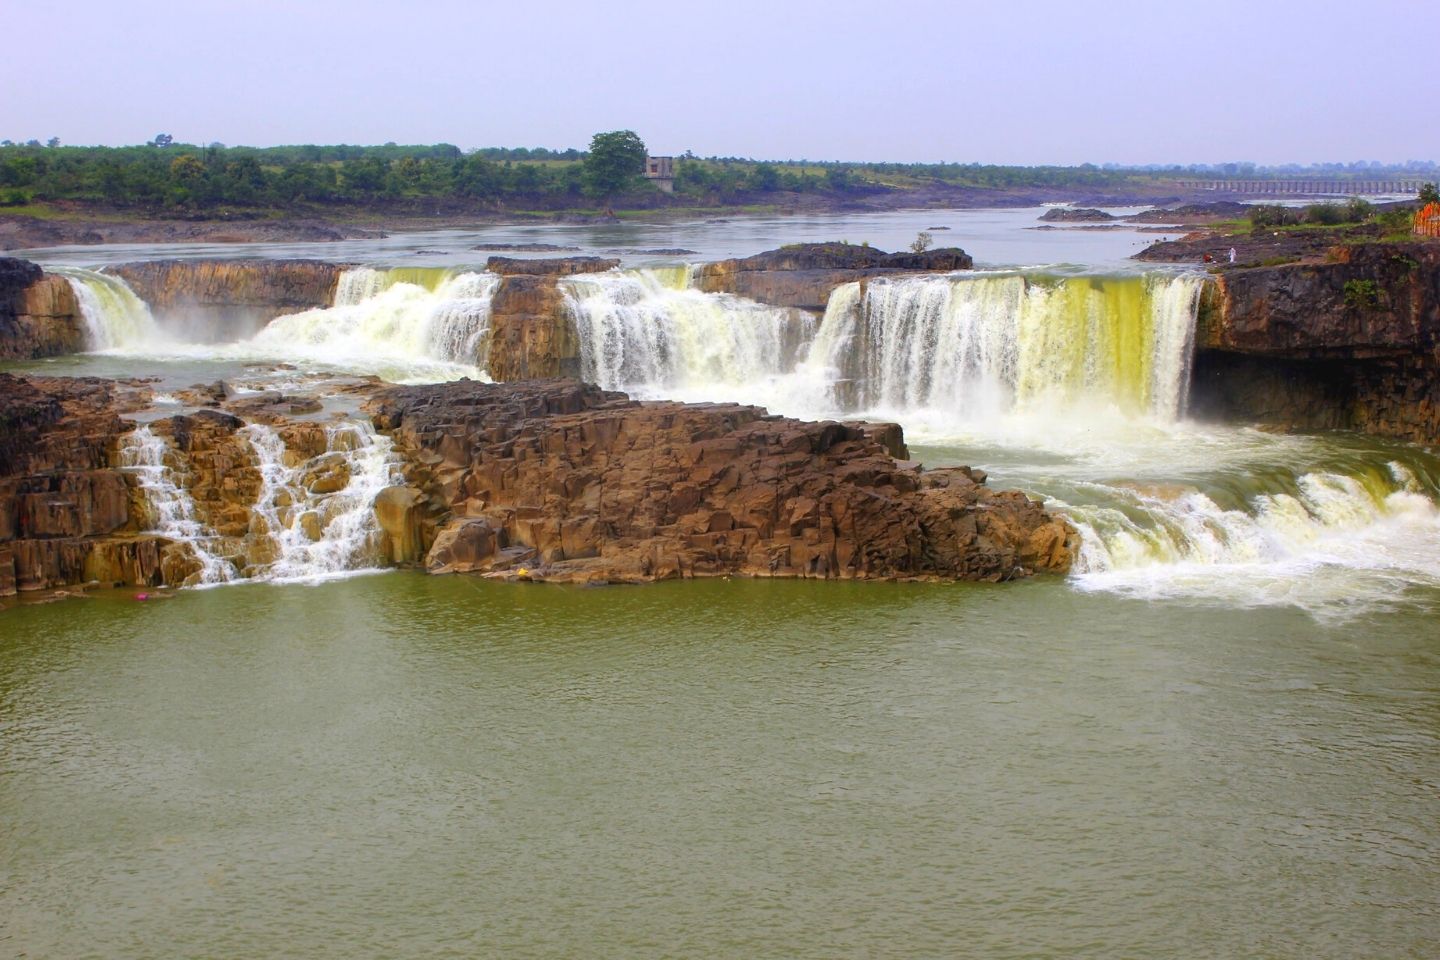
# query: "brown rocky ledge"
x,y
579,484
804,274
1350,341
566,480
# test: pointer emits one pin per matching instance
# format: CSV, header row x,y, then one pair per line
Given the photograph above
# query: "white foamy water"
x,y
1211,514
312,520
115,318
976,347
1332,543
405,325
171,509
316,517
384,314
649,332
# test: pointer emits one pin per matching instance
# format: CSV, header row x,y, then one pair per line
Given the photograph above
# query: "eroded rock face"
x,y
58,493
803,275
216,300
1366,300
39,316
1349,343
532,334
576,483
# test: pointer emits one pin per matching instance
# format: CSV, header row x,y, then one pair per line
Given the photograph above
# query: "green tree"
x,y
765,178
1428,194
615,160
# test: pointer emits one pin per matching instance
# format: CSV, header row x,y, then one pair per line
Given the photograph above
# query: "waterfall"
x,y
417,314
170,508
649,331
115,318
314,518
359,284
1325,539
982,346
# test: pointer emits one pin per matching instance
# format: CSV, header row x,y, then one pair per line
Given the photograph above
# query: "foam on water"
x,y
380,316
1332,543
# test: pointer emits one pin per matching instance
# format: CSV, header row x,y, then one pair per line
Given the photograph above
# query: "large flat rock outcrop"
x,y
579,484
803,275
558,478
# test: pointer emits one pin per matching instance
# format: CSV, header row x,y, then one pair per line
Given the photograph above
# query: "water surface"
x,y
402,766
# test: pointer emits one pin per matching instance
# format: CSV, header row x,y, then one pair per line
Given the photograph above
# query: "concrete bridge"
x,y
1306,186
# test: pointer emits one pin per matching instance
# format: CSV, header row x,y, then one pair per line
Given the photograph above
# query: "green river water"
x,y
398,765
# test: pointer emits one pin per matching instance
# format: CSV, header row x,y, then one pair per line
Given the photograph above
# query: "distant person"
x,y
1207,259
1232,254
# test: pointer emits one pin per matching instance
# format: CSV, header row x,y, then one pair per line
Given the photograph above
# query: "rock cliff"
x,y
61,501
1352,342
580,484
218,300
531,333
38,313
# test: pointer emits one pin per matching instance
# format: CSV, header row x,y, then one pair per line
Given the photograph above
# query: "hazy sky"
x,y
1003,82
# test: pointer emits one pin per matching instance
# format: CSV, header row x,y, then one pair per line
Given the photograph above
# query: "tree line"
x,y
194,177
164,174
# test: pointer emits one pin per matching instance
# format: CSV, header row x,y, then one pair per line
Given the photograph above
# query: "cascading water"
x,y
983,346
359,284
649,332
1330,541
315,519
414,315
115,318
171,509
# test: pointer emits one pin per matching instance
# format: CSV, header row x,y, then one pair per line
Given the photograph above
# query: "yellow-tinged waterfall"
x,y
978,346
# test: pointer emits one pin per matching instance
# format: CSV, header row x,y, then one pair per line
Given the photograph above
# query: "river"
x,y
1218,737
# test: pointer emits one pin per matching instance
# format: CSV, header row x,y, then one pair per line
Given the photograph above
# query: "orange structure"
x,y
1427,220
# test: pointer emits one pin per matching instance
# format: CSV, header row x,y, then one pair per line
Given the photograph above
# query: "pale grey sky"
x,y
1007,82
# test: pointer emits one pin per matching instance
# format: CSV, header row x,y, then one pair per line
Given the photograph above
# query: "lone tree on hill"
x,y
615,160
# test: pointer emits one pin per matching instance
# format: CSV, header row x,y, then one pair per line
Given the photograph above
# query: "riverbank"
x,y
75,223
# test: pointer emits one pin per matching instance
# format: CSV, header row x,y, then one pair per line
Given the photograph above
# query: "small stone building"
x,y
661,172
